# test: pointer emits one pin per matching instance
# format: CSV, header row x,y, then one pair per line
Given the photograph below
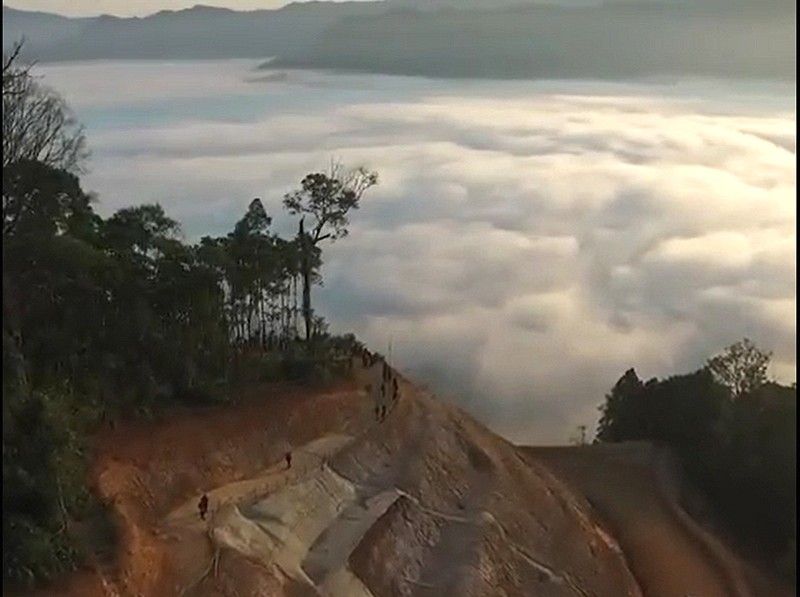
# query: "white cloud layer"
x,y
528,242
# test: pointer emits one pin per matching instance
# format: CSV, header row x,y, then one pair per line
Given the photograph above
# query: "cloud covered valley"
x,y
528,242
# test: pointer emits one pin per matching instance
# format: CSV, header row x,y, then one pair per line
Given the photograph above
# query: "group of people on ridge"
x,y
383,388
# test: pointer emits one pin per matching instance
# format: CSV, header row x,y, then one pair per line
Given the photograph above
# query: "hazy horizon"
x,y
529,241
142,8
120,8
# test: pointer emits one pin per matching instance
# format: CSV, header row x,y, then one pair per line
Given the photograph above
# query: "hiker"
x,y
203,506
288,460
374,389
395,390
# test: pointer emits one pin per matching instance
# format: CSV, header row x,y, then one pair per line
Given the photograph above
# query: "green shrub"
x,y
44,486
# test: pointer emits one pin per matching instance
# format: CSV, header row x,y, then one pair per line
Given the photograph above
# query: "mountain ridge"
x,y
513,40
424,502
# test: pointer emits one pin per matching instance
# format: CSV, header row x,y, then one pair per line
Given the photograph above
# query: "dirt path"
x,y
627,485
302,522
305,460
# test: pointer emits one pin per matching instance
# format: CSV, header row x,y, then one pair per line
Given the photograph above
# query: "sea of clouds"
x,y
528,242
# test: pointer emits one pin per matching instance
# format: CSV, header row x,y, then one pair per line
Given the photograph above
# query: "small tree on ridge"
x,y
327,199
741,367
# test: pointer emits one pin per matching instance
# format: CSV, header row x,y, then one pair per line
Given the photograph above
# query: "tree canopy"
x,y
327,198
741,367
735,432
107,318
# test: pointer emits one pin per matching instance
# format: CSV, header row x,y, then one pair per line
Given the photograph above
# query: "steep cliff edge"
x,y
425,502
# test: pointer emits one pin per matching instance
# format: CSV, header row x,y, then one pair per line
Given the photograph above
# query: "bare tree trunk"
x,y
282,311
272,313
305,268
294,304
261,323
249,318
286,311
240,317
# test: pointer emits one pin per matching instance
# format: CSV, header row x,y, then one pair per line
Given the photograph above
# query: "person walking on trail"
x,y
375,387
203,506
288,460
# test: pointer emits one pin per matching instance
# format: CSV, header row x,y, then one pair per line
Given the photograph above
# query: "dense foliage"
x,y
118,317
735,433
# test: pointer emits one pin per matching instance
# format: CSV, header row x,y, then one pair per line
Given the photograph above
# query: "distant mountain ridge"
x,y
200,32
444,38
620,40
483,5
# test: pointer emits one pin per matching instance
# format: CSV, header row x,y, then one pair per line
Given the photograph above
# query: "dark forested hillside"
x,y
196,33
726,39
119,317
625,40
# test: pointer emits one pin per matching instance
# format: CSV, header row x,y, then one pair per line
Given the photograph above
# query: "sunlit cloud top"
x,y
529,241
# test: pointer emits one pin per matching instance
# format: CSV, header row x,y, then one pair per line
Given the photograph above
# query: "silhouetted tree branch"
x,y
37,123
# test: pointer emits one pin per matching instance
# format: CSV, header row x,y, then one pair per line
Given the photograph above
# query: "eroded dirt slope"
x,y
635,488
426,502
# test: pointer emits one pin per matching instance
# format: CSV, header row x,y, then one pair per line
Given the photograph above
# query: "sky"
x,y
528,241
133,7
146,7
